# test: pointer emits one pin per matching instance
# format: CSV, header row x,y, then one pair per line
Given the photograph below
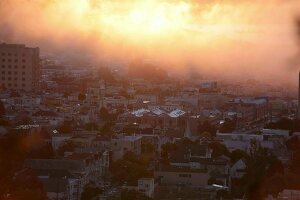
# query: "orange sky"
x,y
248,36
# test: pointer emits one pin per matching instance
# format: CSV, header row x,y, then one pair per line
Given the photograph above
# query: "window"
x,y
23,60
16,79
23,73
3,54
9,72
3,78
9,60
9,54
3,66
16,73
9,66
16,85
3,60
16,60
9,84
23,79
3,72
9,78
16,66
23,66
23,85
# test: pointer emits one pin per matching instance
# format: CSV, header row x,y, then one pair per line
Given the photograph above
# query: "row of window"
x,y
9,66
9,79
15,60
9,72
10,54
11,85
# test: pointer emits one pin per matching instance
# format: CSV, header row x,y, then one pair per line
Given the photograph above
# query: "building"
x,y
122,144
191,165
146,186
286,195
20,67
238,169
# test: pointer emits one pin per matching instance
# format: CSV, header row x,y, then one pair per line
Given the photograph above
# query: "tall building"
x,y
19,67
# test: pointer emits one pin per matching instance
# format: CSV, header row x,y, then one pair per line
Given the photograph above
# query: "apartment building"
x,y
19,66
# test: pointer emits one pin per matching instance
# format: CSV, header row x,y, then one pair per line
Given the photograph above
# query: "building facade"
x,y
20,67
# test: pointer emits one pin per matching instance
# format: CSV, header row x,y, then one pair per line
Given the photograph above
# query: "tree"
x,y
285,124
237,154
65,128
25,121
26,194
293,144
133,195
2,109
90,192
81,97
4,122
166,149
147,147
228,126
218,149
14,180
206,126
104,114
106,129
44,152
68,146
259,162
91,126
129,169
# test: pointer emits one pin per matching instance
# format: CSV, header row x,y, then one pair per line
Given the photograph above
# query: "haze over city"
x,y
149,99
233,38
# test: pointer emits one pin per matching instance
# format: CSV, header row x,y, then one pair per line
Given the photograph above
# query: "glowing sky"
x,y
209,34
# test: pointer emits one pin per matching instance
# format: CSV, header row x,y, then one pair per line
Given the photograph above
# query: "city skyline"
x,y
149,99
